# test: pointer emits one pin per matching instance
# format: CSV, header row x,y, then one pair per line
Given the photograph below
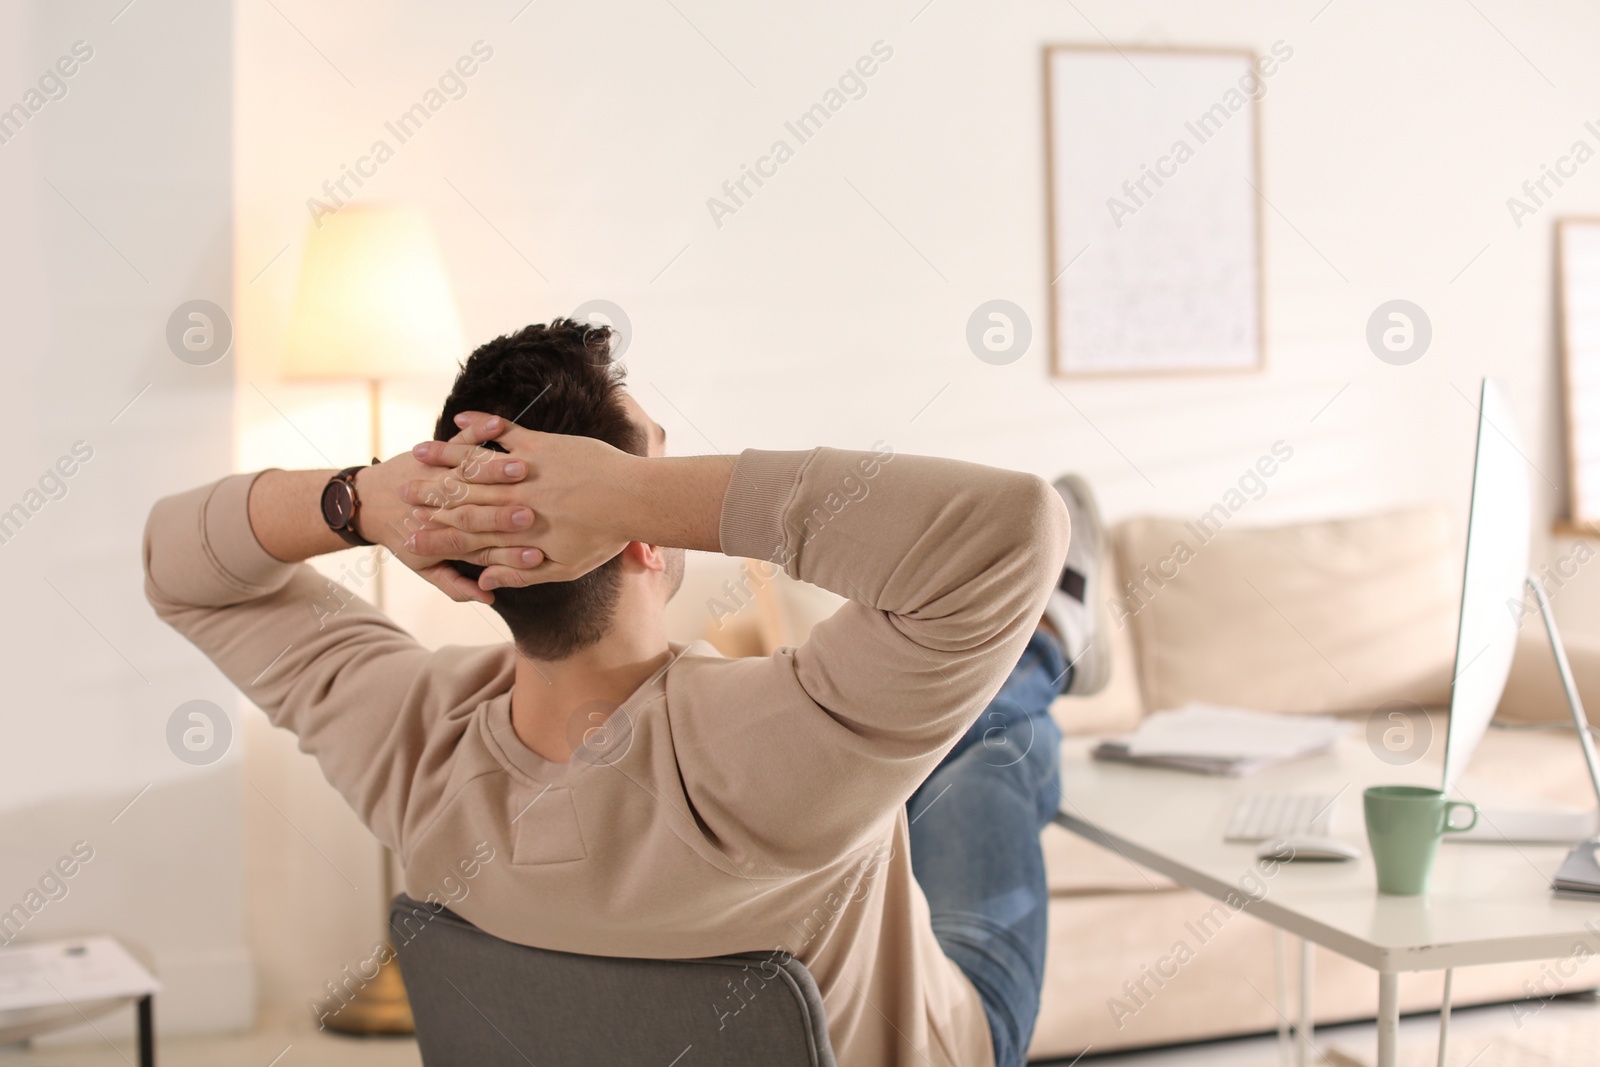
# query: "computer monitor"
x,y
1492,581
1493,586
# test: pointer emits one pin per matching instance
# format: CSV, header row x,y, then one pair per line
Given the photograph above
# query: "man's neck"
x,y
555,703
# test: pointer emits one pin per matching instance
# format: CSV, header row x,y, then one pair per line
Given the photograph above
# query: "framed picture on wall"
x,y
1578,315
1154,209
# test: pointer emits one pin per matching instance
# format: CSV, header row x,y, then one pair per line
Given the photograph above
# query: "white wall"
x,y
831,308
117,206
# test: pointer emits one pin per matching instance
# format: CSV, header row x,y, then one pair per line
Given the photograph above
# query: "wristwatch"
x,y
341,506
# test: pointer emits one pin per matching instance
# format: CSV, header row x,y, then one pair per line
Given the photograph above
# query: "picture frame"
x,y
1161,271
1577,273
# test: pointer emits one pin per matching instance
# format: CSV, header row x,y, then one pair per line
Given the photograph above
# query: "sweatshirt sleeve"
x,y
315,657
793,759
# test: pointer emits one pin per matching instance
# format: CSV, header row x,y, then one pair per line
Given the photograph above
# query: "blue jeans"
x,y
975,827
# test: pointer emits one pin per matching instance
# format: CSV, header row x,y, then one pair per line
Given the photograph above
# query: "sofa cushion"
x,y
1317,617
1075,866
1534,692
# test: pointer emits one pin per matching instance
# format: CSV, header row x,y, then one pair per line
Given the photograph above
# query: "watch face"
x,y
337,504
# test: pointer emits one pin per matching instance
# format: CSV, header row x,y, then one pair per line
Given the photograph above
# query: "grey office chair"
x,y
482,1001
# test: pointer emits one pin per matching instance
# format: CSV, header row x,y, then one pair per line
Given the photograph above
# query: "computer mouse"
x,y
1307,847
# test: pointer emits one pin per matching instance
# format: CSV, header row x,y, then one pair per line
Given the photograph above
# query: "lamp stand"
x,y
379,1008
375,423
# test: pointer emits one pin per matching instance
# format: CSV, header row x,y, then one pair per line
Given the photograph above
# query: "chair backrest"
x,y
483,1001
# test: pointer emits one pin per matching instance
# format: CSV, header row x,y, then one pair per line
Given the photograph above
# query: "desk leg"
x,y
147,1033
1280,971
1308,1019
1444,1015
1388,1018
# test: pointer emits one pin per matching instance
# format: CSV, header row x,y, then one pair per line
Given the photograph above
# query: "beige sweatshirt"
x,y
729,805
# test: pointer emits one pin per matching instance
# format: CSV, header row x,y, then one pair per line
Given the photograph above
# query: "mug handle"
x,y
1450,809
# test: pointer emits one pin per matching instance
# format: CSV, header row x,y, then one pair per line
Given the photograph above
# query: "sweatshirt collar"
x,y
608,740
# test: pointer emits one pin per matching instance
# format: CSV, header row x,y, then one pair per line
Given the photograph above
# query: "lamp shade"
x,y
372,300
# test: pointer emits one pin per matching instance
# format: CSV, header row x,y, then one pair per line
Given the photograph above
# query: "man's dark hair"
x,y
558,378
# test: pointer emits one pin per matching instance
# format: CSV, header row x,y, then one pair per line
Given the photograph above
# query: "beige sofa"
x,y
1330,617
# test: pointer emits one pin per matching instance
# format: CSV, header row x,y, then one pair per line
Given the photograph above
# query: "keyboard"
x,y
1267,816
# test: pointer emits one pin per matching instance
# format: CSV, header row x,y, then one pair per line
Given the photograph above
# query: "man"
x,y
649,800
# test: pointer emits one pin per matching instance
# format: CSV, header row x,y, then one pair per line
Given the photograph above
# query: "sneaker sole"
x,y
1091,671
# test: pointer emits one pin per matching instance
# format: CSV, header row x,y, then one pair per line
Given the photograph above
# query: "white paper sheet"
x,y
74,971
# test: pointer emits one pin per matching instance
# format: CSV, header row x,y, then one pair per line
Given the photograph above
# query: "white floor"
x,y
275,1043
1529,1035
1562,1032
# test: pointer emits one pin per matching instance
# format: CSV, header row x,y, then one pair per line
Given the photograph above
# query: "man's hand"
x,y
386,519
577,500
557,495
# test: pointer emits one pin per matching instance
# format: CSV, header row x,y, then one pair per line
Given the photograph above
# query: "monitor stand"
x,y
1547,827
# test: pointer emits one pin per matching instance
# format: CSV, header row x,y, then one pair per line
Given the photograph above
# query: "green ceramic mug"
x,y
1404,826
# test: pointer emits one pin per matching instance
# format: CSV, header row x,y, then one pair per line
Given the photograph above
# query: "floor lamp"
x,y
372,304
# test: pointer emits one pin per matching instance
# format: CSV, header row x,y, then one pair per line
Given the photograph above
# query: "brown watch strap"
x,y
348,528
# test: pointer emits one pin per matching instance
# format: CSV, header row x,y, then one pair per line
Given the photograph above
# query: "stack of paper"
x,y
1217,740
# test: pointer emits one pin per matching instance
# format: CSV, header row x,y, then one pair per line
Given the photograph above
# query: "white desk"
x,y
1491,903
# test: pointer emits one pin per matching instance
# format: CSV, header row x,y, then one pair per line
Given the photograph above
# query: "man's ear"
x,y
646,557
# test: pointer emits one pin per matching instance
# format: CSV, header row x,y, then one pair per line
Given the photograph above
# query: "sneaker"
x,y
1073,609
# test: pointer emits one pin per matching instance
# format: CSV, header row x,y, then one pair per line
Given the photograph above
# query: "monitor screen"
x,y
1492,583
